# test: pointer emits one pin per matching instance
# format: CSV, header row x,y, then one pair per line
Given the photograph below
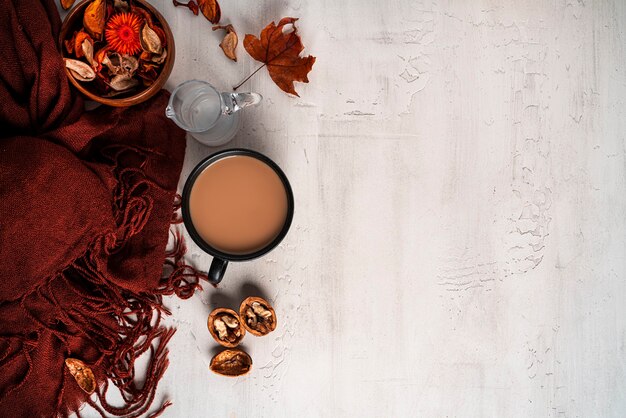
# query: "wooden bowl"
x,y
73,21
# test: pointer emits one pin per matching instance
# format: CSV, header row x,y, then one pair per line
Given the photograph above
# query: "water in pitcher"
x,y
211,117
200,108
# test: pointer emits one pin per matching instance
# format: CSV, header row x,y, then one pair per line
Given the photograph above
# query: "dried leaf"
x,y
161,34
229,43
113,62
79,39
121,6
123,82
82,374
191,5
150,41
159,59
148,74
121,64
94,18
87,48
99,58
66,4
155,27
280,52
69,44
129,65
79,70
211,10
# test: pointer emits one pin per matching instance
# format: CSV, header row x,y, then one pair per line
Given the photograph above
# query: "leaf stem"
x,y
248,78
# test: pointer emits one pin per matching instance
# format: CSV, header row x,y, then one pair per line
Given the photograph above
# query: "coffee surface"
x,y
238,205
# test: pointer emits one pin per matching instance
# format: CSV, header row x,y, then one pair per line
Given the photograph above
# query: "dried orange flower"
x,y
122,33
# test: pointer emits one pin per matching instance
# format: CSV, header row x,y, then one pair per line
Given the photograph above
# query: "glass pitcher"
x,y
211,117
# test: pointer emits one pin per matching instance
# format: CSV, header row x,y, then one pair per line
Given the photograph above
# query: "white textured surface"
x,y
458,247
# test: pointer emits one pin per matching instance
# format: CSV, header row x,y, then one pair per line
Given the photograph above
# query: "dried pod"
x,y
150,41
231,362
79,70
87,48
82,374
94,18
154,26
69,44
113,61
79,39
229,43
66,4
257,316
100,58
159,59
129,65
123,82
225,327
148,73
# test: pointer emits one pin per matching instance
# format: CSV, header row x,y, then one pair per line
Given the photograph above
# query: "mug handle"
x,y
217,270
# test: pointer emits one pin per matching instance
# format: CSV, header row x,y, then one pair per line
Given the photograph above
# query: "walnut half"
x,y
225,327
231,362
257,316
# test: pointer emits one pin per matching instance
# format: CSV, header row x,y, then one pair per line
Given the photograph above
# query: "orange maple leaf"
x,y
280,52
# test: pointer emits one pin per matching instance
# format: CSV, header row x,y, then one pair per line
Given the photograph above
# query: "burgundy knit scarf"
x,y
86,201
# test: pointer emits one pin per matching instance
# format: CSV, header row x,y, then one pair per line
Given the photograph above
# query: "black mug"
x,y
220,258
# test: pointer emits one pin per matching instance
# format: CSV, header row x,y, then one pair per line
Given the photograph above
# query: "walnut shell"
x,y
223,332
257,316
231,362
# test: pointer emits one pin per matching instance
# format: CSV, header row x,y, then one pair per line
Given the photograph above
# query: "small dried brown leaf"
x,y
82,374
230,41
231,362
94,18
66,4
211,10
80,70
150,41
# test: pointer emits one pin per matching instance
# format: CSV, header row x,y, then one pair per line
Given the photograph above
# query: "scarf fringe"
x,y
127,324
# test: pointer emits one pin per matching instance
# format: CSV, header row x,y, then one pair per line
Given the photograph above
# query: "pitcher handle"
x,y
234,102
